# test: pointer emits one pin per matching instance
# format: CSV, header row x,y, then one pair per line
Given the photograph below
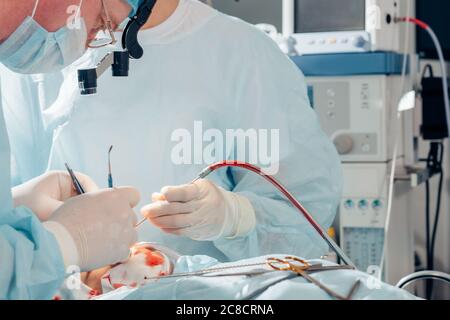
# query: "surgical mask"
x,y
32,49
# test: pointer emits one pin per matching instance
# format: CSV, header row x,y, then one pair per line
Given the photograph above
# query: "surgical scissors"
x,y
297,267
301,267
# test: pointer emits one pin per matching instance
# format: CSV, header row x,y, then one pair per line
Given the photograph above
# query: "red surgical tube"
x,y
288,195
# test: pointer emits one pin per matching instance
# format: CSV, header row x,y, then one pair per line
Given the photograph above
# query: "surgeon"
x,y
80,232
202,73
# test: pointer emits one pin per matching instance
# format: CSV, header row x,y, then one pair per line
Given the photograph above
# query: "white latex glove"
x,y
201,211
101,226
44,194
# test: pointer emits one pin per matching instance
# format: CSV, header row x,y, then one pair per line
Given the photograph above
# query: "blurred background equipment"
x,y
359,63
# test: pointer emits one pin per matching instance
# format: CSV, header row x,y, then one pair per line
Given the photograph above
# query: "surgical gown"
x,y
31,266
205,70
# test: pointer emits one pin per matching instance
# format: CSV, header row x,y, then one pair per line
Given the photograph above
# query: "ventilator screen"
x,y
329,16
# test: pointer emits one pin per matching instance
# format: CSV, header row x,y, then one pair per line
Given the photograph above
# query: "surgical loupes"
x,y
119,61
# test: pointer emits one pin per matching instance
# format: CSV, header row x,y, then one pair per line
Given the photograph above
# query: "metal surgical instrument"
x,y
76,183
110,179
301,267
293,266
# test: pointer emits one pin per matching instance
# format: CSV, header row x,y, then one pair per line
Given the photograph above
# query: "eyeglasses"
x,y
104,41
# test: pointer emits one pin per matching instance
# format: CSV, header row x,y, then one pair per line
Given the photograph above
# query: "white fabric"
x,y
137,271
187,18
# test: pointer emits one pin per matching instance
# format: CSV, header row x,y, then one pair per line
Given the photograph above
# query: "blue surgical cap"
x,y
135,5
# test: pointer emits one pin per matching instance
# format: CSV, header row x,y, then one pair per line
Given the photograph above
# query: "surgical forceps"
x,y
303,268
76,183
110,178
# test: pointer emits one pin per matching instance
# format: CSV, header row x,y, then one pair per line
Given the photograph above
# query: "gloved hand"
x,y
201,211
96,229
44,194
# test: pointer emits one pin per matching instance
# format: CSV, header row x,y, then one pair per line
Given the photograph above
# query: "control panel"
x,y
323,26
356,113
335,42
362,220
363,213
364,246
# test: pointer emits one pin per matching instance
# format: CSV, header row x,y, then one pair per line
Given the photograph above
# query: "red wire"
x,y
273,181
416,21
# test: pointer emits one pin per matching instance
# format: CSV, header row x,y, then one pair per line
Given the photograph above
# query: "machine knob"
x,y
344,144
360,42
377,204
363,204
349,204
